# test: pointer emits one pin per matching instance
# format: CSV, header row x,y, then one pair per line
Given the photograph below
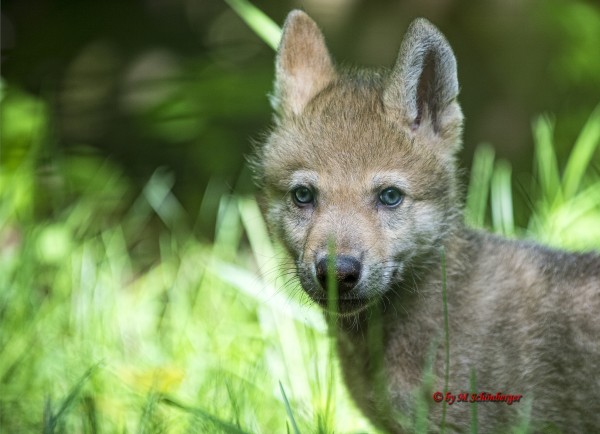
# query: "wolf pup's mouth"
x,y
344,306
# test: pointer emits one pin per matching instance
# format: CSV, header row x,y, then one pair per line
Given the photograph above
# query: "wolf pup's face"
x,y
364,159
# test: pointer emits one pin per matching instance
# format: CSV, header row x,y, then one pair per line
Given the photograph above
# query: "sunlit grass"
x,y
116,318
567,204
565,201
258,21
198,340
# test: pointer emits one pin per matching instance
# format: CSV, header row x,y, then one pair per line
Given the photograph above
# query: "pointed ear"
x,y
423,85
303,66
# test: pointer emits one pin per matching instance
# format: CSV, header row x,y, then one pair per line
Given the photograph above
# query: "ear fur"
x,y
303,66
423,85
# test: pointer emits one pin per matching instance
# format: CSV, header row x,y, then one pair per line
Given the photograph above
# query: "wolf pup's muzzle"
x,y
347,272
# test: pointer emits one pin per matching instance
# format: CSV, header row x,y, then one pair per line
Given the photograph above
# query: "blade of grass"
x,y
330,392
257,233
523,425
228,228
473,385
446,340
91,415
420,422
479,185
145,423
584,202
48,417
545,158
53,420
502,208
258,21
582,153
376,351
288,410
223,425
250,284
158,193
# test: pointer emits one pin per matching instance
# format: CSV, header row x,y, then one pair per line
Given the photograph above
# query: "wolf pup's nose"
x,y
347,272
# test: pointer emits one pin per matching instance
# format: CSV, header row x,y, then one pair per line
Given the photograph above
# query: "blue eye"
x,y
302,196
391,196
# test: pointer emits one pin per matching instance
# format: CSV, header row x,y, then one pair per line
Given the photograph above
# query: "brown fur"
x,y
523,318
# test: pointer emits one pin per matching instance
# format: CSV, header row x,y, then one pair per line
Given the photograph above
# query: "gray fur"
x,y
423,82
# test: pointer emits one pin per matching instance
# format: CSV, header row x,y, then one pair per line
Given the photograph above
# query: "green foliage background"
x,y
125,306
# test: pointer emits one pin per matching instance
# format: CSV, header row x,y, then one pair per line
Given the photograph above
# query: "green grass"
x,y
564,201
116,318
92,343
258,21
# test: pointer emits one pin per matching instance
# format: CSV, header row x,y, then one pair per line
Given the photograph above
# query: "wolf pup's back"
x,y
367,160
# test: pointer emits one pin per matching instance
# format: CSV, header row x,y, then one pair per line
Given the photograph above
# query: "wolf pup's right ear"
x,y
423,85
303,66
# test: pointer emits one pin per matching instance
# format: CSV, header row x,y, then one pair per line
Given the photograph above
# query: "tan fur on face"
x,y
353,151
303,68
522,318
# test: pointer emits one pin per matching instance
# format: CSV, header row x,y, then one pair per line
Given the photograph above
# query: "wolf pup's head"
x,y
361,158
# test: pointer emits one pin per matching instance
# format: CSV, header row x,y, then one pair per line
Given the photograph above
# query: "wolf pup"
x,y
368,159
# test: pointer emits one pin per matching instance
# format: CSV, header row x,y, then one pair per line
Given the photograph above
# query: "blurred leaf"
x,y
258,21
582,153
222,425
54,243
23,124
479,185
158,194
501,199
53,419
545,158
288,410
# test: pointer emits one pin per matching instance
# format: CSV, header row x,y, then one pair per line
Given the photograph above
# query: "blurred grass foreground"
x,y
116,317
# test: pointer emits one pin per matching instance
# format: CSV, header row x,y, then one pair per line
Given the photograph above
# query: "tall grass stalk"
x,y
258,21
446,339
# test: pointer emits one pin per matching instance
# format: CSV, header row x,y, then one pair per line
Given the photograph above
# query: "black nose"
x,y
347,272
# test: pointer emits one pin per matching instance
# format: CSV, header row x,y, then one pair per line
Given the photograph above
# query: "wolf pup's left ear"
x,y
423,85
303,66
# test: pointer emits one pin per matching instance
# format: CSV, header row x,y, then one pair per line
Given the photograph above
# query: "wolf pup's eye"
x,y
302,196
390,197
